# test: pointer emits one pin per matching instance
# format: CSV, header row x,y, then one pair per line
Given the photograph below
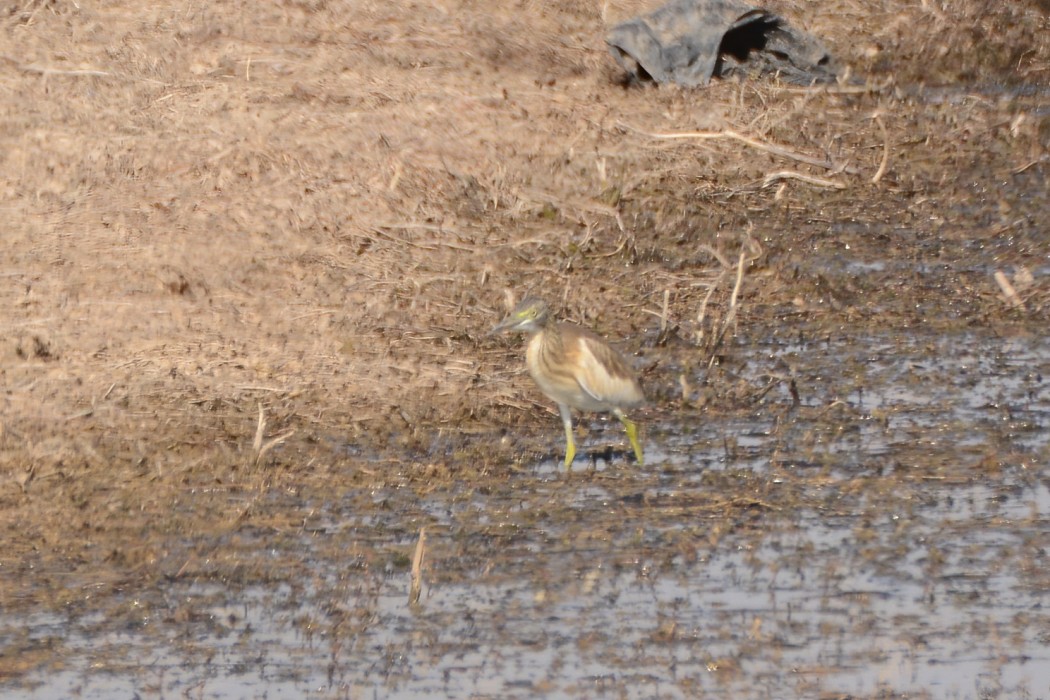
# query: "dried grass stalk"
x,y
416,587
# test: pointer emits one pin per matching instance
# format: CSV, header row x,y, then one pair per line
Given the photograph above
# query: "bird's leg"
x,y
632,434
570,444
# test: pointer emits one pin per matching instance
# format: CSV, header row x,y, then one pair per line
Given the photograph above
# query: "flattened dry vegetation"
x,y
253,249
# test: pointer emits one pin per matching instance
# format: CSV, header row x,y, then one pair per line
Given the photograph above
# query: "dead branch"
x,y
416,587
884,165
772,148
810,179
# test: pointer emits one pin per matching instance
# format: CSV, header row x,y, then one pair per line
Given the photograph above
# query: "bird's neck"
x,y
552,337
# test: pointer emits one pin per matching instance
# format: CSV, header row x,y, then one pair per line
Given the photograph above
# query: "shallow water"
x,y
885,536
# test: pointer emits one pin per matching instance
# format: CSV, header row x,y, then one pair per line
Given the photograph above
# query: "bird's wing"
x,y
604,375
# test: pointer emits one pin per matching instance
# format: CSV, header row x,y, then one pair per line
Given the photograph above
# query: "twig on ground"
x,y
884,165
258,446
260,430
1009,292
751,251
773,148
733,305
810,179
416,587
702,314
664,312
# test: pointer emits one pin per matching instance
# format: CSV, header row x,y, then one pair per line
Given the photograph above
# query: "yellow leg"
x,y
632,435
570,444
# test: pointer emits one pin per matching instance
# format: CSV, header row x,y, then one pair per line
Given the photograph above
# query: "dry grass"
x,y
253,246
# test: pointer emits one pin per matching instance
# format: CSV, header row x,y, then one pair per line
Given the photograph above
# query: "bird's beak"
x,y
505,324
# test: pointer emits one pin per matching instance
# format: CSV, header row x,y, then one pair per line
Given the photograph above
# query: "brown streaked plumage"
x,y
576,369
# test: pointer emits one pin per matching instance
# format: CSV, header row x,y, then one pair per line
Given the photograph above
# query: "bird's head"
x,y
529,316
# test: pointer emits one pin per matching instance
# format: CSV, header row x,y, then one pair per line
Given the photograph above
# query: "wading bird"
x,y
576,369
